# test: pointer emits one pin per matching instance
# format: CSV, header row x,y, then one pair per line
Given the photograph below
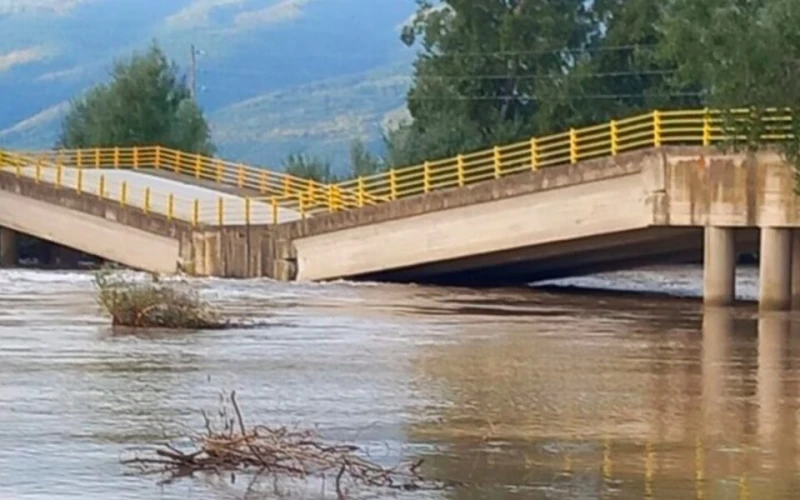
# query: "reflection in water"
x,y
645,412
520,394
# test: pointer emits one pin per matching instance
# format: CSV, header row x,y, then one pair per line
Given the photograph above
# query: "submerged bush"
x,y
152,303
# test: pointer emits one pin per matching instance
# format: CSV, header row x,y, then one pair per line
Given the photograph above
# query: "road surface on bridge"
x,y
136,184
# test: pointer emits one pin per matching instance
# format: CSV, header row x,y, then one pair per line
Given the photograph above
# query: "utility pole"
x,y
193,73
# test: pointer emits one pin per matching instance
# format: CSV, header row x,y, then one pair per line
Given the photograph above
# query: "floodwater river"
x,y
519,393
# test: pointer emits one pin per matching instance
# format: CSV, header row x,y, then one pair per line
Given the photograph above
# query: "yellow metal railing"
x,y
689,127
261,182
105,185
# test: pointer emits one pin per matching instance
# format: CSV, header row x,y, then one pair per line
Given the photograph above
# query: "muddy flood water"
x,y
519,393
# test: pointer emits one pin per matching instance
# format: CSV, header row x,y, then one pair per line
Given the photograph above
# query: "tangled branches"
x,y
153,304
278,452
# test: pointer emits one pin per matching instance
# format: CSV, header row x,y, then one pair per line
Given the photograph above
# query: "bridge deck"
x,y
184,195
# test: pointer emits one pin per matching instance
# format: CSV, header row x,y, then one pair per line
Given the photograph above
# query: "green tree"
x,y
309,167
483,70
623,71
146,103
502,70
744,54
362,162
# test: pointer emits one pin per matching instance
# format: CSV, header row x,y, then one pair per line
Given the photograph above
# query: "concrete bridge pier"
x,y
8,247
775,269
719,266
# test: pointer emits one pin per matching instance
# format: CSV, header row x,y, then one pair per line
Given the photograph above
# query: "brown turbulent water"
x,y
520,393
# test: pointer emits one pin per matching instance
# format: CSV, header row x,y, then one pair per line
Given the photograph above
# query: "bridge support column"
x,y
796,268
8,247
775,269
719,266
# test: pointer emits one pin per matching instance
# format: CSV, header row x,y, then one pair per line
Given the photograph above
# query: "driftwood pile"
x,y
278,452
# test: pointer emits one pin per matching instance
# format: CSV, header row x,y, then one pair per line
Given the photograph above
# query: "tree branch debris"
x,y
278,452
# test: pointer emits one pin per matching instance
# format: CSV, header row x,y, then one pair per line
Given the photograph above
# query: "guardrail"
x,y
216,210
261,182
688,127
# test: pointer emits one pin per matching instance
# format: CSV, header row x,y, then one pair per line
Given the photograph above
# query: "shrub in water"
x,y
152,303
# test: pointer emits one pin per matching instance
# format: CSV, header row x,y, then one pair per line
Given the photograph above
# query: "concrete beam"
x,y
719,266
775,273
9,248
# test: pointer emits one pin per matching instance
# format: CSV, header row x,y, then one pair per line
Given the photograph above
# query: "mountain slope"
x,y
274,76
318,119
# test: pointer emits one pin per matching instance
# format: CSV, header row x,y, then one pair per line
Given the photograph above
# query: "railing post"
x,y
498,165
311,192
18,167
614,138
147,200
460,169
360,191
79,154
247,210
706,127
573,146
657,128
220,211
219,173
96,157
392,184
534,154
337,197
116,157
59,175
123,195
264,181
240,177
101,188
197,167
331,199
135,157
38,172
178,160
79,186
302,206
287,186
426,177
157,159
274,203
195,212
170,206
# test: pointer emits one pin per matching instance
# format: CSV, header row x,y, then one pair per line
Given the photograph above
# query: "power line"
x,y
498,52
566,50
568,98
524,76
354,56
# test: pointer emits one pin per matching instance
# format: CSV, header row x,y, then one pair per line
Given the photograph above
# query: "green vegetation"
x,y
152,303
145,103
362,163
499,70
309,167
